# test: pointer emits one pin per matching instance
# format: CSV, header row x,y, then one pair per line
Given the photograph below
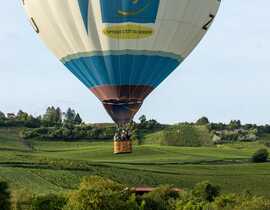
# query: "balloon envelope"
x,y
121,49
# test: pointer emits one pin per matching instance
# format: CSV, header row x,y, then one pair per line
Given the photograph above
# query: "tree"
x,y
142,119
202,121
22,116
235,124
48,116
260,156
77,119
70,115
266,128
32,122
4,196
2,116
151,124
148,124
59,115
52,116
96,193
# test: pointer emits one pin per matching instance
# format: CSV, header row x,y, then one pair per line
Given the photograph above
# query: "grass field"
x,y
59,166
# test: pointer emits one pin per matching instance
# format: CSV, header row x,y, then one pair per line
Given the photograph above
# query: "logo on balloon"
x,y
137,11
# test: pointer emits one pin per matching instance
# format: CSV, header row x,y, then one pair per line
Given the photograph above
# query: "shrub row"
x,y
96,193
69,132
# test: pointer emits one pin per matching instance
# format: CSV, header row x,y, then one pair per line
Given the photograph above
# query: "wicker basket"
x,y
121,147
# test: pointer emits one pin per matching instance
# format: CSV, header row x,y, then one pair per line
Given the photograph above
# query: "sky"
x,y
226,77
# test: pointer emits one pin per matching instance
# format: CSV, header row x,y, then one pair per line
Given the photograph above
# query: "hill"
x,y
180,135
43,166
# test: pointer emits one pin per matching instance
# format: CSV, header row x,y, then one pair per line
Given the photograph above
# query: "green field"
x,y
59,166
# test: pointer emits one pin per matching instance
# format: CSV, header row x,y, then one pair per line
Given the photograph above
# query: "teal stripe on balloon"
x,y
84,5
99,70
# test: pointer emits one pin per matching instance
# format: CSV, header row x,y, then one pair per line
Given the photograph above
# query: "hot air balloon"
x,y
121,50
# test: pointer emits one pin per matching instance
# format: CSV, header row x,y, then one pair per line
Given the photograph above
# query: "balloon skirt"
x,y
121,147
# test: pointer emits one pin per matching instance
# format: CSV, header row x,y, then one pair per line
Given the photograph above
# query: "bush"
x,y
136,136
187,201
192,205
97,193
162,198
22,199
260,156
254,203
4,196
48,202
97,182
96,199
267,144
69,132
206,191
227,201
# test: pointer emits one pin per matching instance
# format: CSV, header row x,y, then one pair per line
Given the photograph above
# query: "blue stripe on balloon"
x,y
124,69
83,4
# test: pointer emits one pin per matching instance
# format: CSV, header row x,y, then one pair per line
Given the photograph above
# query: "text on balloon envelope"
x,y
128,31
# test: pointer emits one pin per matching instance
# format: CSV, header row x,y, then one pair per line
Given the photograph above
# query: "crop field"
x,y
42,166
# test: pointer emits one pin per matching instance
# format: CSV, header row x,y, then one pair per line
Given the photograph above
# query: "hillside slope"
x,y
59,166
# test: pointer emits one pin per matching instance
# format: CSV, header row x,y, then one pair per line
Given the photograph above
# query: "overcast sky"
x,y
226,77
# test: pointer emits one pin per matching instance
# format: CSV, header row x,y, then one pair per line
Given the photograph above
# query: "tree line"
x,y
234,131
73,130
53,117
58,124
